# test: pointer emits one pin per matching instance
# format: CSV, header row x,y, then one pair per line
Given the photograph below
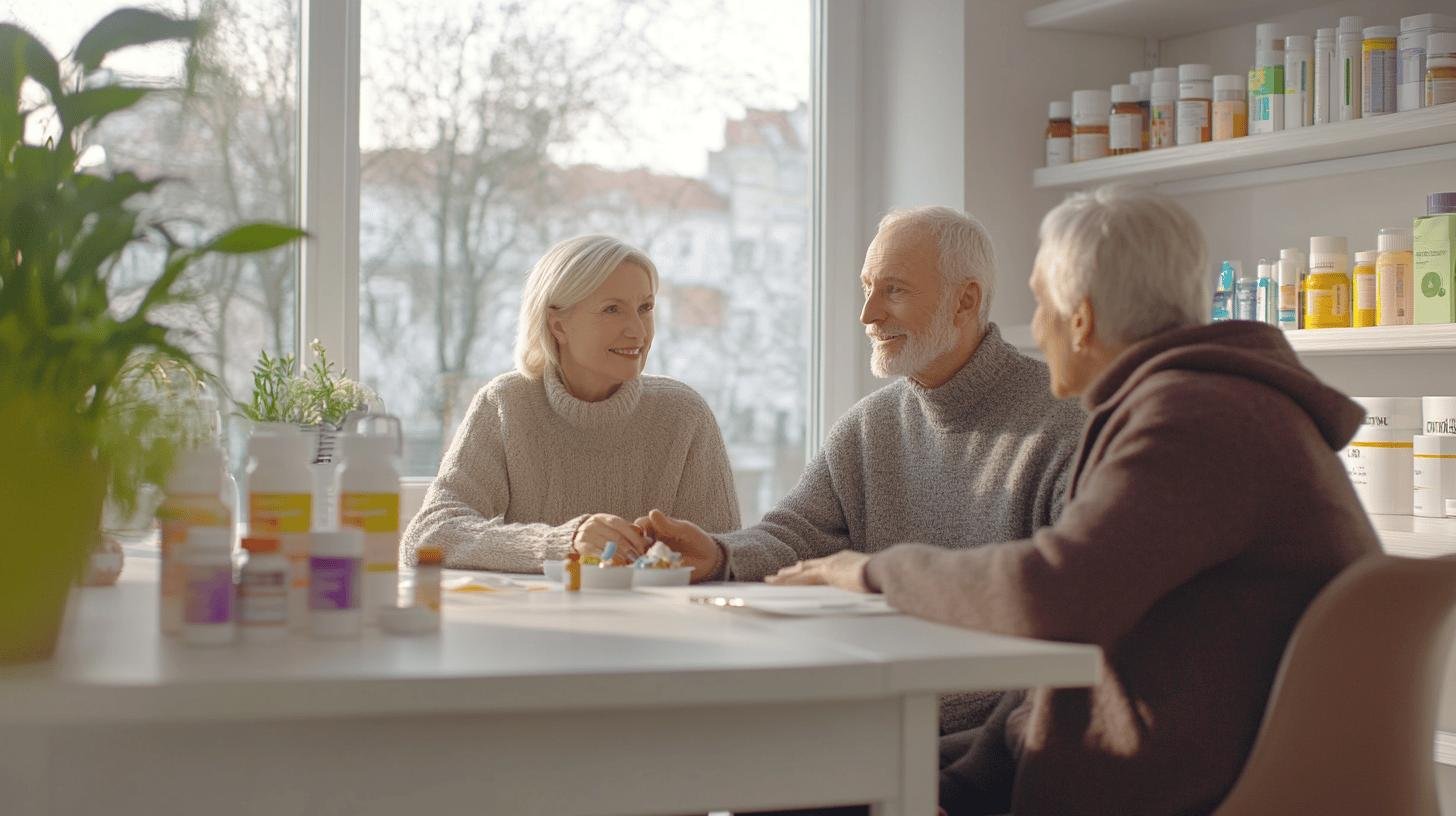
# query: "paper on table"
x,y
795,601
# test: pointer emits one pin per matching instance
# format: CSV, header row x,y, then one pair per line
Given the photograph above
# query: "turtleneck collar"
x,y
948,405
592,416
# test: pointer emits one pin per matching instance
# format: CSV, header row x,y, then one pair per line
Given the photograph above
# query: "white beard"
x,y
920,350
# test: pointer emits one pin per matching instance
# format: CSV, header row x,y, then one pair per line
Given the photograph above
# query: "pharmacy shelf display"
x,y
1155,19
1393,140
1375,340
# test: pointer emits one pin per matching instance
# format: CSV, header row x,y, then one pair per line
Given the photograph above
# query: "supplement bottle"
x,y
1090,111
1268,300
1325,109
1298,81
427,579
1162,130
1195,104
1327,289
1125,128
1266,80
1144,82
1293,268
280,503
1288,271
1246,291
1440,69
369,502
1410,70
1230,109
1377,71
1059,134
263,592
193,498
1348,62
1365,290
335,583
207,618
1394,278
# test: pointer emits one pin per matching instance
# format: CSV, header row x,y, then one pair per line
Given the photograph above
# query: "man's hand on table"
x,y
698,549
844,569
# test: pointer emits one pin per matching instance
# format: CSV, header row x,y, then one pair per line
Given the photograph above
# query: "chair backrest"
x,y
1350,724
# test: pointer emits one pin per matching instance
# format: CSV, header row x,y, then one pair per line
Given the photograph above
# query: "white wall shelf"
x,y
1398,139
1376,340
1416,537
1155,19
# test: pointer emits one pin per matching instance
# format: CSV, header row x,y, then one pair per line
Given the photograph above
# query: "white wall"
x,y
1011,73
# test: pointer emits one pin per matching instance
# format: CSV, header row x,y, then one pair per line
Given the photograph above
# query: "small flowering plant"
x,y
321,394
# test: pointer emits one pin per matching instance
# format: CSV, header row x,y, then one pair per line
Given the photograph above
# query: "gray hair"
x,y
1137,256
966,253
568,272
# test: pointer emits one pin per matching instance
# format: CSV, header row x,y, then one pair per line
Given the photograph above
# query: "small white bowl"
x,y
552,569
595,577
676,576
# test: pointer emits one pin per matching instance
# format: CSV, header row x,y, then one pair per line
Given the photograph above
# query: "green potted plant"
x,y
320,399
67,431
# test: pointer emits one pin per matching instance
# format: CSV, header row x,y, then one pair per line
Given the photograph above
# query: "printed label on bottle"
x,y
273,513
209,594
370,512
1378,78
334,583
263,598
176,515
1393,294
1126,131
1328,306
1365,292
1160,130
1087,146
1193,121
1058,151
1440,91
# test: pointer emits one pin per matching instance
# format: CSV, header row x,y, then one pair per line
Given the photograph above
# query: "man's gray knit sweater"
x,y
983,458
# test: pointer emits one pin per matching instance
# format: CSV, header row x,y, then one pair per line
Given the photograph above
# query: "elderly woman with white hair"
x,y
1206,509
561,452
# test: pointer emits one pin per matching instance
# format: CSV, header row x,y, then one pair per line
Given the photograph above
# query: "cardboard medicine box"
x,y
1435,268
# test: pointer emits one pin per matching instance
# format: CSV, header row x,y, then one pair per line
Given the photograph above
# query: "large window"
x,y
491,129
231,148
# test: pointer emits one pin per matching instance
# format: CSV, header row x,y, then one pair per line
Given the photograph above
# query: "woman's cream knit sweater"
x,y
530,462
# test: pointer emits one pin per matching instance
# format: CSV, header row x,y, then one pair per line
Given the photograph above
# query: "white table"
x,y
541,702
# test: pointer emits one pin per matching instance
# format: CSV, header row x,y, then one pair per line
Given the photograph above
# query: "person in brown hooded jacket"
x,y
1207,507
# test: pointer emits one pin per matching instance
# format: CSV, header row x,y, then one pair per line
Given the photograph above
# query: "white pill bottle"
x,y
369,502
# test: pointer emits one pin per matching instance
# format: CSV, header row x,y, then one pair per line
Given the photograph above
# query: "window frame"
x,y
328,285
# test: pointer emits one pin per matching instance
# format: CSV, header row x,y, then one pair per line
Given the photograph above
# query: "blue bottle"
x,y
1246,292
1223,294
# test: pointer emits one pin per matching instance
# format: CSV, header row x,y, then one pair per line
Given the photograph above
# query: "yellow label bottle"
x,y
1365,290
1327,303
280,505
193,499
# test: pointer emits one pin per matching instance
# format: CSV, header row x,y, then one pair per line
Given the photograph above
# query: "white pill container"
x,y
336,583
1439,415
1380,460
1434,474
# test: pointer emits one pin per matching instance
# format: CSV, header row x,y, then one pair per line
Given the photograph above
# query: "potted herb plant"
x,y
65,434
320,399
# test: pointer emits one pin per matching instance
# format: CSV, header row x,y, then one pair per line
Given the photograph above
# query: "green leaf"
x,y
255,237
22,55
95,104
130,26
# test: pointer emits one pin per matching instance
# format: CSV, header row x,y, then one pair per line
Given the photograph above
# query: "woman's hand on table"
x,y
698,549
844,569
598,529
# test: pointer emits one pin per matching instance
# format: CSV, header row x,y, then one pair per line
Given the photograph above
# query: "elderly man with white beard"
x,y
966,447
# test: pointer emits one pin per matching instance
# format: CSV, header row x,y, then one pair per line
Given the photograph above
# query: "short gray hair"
x,y
966,252
568,272
1137,256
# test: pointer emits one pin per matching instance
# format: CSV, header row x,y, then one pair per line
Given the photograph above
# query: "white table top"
x,y
511,652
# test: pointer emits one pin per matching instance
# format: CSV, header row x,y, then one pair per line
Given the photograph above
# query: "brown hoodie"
x,y
1207,508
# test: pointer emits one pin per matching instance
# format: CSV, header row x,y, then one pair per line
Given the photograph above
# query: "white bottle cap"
x,y
1440,45
1091,104
1366,257
1269,37
1422,22
1124,93
1298,44
1381,32
1291,254
1329,245
1351,25
1165,90
1229,82
1324,36
1195,72
1266,269
366,445
1394,239
1166,74
197,471
1059,110
1141,78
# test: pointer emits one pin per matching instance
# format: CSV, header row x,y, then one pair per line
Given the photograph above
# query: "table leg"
x,y
919,760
